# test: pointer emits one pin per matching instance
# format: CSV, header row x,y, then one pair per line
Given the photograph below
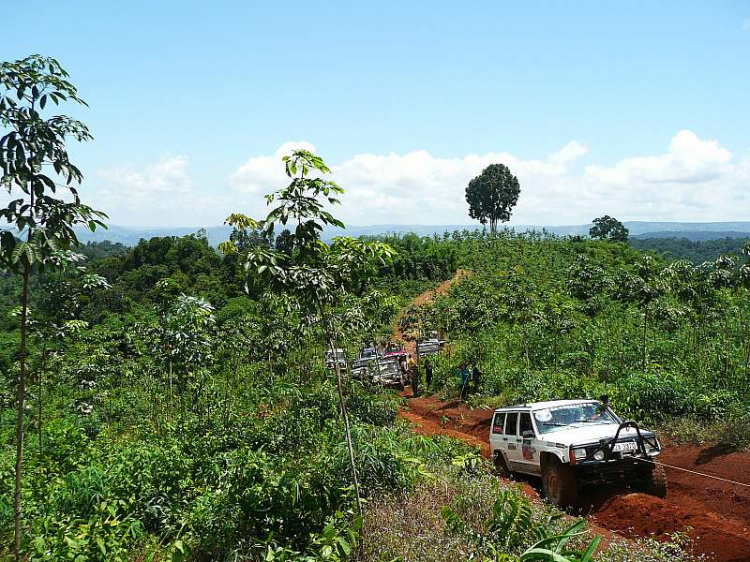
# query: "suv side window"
x,y
511,421
525,423
498,423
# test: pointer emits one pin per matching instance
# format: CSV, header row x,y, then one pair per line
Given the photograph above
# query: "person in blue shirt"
x,y
464,375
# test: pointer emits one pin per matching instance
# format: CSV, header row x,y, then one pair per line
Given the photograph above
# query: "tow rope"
x,y
695,472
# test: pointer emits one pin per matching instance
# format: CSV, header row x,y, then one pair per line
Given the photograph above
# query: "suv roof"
x,y
542,405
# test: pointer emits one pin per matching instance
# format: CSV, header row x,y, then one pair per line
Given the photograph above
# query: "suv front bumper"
x,y
622,471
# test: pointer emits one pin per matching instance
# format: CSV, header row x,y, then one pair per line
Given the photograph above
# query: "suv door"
x,y
528,446
498,441
512,439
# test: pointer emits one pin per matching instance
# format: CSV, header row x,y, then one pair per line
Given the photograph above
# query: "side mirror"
x,y
528,434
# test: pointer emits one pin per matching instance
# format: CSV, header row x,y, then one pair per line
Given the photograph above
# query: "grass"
x,y
732,434
409,527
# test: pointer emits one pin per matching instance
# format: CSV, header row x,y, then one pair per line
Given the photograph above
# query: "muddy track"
x,y
717,513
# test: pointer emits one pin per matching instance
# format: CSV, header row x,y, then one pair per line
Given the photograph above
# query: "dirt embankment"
x,y
716,513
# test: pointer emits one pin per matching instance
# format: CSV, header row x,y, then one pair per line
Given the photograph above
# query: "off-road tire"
x,y
656,482
559,483
501,466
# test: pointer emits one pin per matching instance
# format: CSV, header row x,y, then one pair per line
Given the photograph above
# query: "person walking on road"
x,y
427,373
463,380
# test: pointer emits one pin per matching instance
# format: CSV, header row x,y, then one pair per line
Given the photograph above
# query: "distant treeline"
x,y
694,251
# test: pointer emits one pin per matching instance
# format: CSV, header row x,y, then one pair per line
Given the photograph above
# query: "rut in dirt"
x,y
716,513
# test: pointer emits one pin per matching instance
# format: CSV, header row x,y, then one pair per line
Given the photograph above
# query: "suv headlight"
x,y
579,454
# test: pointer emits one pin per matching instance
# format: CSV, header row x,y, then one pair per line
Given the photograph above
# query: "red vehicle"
x,y
396,351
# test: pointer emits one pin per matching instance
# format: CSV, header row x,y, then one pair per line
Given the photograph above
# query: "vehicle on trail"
x,y
573,445
387,373
395,350
369,354
339,357
362,366
429,346
361,370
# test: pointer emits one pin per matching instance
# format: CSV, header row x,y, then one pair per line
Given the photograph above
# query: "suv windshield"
x,y
576,415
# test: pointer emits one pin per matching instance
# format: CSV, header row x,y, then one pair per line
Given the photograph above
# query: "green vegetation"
x,y
555,318
179,402
187,419
694,251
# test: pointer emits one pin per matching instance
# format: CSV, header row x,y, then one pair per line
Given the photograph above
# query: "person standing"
x,y
476,378
427,373
463,380
404,368
414,373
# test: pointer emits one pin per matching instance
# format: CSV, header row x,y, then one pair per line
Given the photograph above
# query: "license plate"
x,y
629,446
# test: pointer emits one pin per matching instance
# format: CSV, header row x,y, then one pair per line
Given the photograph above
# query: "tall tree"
x,y
609,228
37,221
319,276
492,195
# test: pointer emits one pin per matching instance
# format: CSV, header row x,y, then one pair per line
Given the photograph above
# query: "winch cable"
x,y
695,472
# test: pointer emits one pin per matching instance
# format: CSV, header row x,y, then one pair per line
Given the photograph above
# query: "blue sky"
x,y
190,103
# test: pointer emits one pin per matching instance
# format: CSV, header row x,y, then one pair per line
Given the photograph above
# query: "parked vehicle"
x,y
361,370
574,444
429,346
395,350
388,373
362,367
340,357
369,354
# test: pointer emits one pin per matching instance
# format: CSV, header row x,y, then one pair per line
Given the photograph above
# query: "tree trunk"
x,y
41,404
349,443
270,365
645,328
21,400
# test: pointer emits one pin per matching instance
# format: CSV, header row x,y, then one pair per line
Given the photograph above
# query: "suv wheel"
x,y
501,466
656,482
559,483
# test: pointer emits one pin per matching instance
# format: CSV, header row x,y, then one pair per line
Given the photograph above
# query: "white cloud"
x,y
689,160
259,173
568,153
695,179
162,194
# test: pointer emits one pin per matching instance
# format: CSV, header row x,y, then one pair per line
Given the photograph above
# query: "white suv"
x,y
573,444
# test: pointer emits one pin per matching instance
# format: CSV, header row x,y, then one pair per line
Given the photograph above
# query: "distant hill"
x,y
696,251
130,236
694,231
694,235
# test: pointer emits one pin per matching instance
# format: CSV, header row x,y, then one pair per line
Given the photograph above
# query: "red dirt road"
x,y
717,513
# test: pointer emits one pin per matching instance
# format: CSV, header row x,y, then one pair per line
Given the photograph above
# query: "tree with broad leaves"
x,y
285,242
37,220
492,195
318,275
609,228
58,316
186,344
